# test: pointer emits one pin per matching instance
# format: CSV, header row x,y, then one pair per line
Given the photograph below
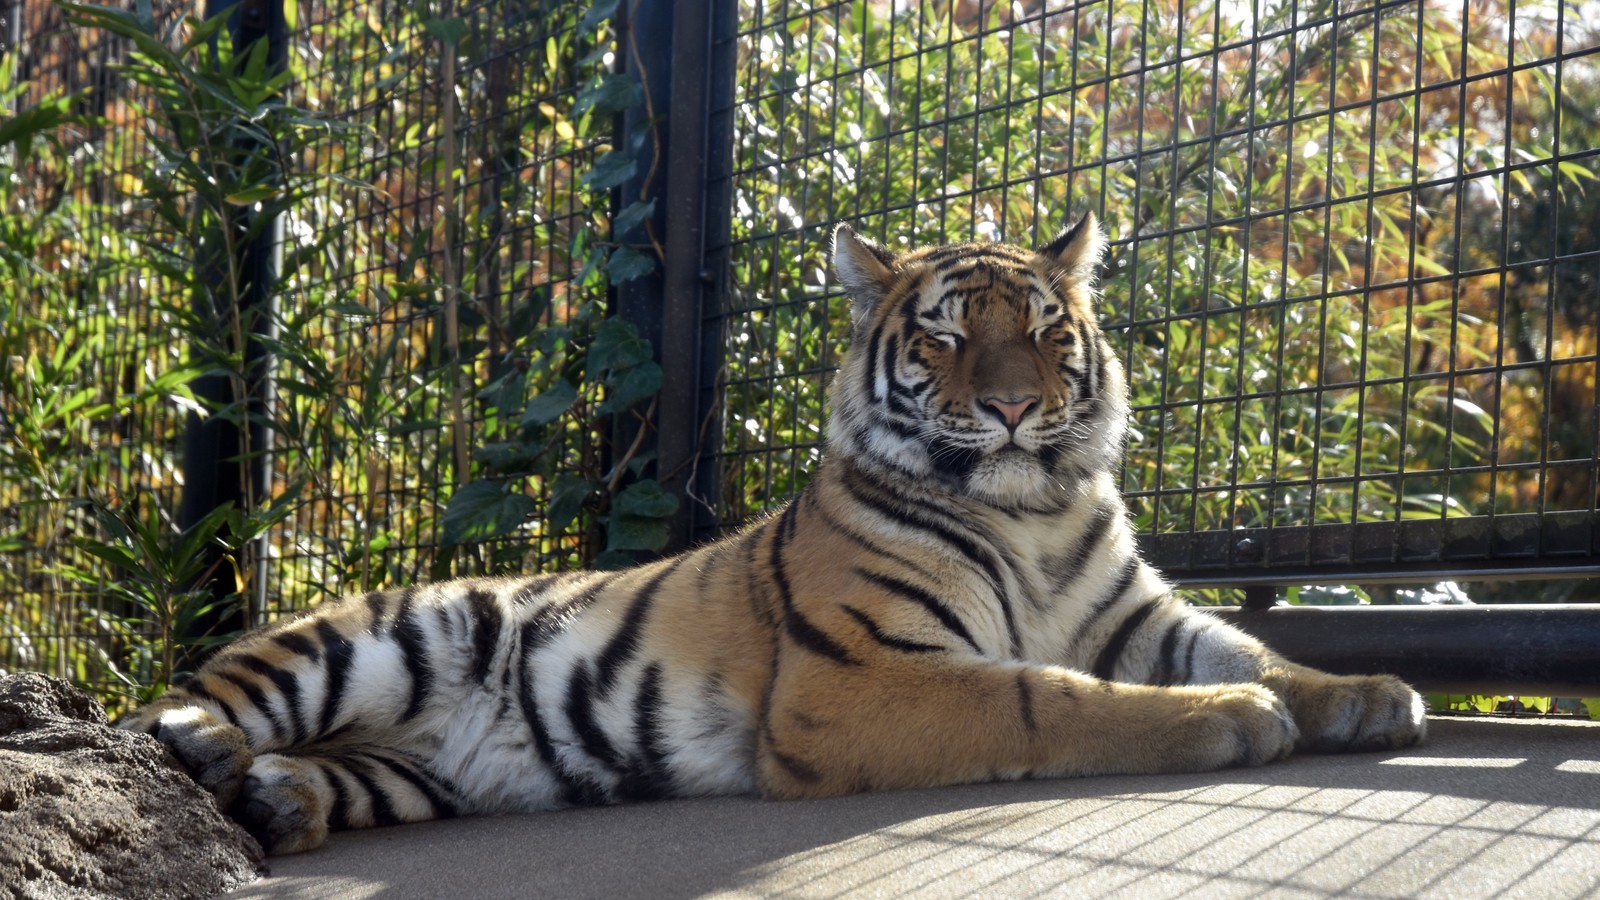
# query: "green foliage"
x,y
1476,704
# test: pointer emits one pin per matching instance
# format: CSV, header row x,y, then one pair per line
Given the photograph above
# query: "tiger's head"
x,y
979,366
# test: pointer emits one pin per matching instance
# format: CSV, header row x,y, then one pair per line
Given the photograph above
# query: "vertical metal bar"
x,y
224,464
682,413
682,54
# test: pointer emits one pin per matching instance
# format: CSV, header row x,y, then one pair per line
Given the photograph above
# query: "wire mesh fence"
x,y
1354,268
1354,275
437,270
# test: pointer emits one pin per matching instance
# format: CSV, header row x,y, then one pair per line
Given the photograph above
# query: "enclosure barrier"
x,y
1354,276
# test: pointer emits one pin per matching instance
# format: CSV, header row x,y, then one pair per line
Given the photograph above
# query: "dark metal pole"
x,y
1547,650
682,53
224,464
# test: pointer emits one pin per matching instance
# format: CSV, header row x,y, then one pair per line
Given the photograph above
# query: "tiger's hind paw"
x,y
215,752
280,807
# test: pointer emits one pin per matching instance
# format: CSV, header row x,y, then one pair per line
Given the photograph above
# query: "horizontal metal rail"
x,y
1545,650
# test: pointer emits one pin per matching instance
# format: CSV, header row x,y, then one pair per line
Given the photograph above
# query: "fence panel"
x,y
442,274
1354,267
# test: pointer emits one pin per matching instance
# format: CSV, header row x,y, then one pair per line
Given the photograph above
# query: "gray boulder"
x,y
87,811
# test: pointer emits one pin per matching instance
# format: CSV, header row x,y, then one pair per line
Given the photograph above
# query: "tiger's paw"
x,y
215,752
280,807
1235,725
1354,714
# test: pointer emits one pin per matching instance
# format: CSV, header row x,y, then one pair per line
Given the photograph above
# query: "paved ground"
x,y
1486,808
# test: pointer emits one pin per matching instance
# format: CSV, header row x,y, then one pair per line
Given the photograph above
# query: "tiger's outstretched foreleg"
x,y
921,720
1163,641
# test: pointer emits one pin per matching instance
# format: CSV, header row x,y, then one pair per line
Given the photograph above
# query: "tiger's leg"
x,y
297,684
900,720
289,803
1163,641
212,748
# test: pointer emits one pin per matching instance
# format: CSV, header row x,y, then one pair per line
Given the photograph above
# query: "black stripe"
x,y
865,542
872,364
257,698
408,634
1025,702
486,626
891,354
339,812
288,686
928,601
426,786
1130,569
535,586
382,811
1106,665
799,629
580,714
927,519
888,640
376,604
797,770
647,778
624,645
1169,649
198,688
966,545
298,644
337,651
576,788
1188,654
1071,565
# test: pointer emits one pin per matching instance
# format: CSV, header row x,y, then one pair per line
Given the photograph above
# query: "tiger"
x,y
955,597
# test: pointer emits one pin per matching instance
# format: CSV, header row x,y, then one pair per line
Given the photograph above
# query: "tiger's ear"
x,y
1077,250
863,267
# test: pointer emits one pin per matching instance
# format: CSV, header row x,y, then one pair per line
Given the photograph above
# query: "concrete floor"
x,y
1484,809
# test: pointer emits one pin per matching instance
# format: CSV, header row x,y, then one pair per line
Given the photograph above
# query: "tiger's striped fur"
x,y
956,597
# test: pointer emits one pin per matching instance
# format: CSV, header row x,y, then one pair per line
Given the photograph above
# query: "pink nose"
x,y
1010,411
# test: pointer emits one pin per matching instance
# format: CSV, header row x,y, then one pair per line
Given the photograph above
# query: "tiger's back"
x,y
956,597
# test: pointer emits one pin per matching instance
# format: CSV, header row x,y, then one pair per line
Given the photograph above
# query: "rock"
x,y
86,810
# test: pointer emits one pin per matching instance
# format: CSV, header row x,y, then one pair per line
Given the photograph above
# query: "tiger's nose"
x,y
1010,411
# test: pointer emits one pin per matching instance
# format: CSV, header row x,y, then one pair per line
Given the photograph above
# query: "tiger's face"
x,y
980,366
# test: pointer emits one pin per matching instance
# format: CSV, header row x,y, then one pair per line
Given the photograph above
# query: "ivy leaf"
x,y
609,171
611,560
600,12
635,533
644,499
548,406
449,31
566,501
617,346
626,264
508,457
632,217
485,510
610,95
638,383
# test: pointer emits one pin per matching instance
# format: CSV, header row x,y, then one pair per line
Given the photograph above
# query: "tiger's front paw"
x,y
1236,725
1352,714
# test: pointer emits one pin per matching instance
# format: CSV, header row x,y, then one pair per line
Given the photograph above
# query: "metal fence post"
x,y
683,54
224,464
